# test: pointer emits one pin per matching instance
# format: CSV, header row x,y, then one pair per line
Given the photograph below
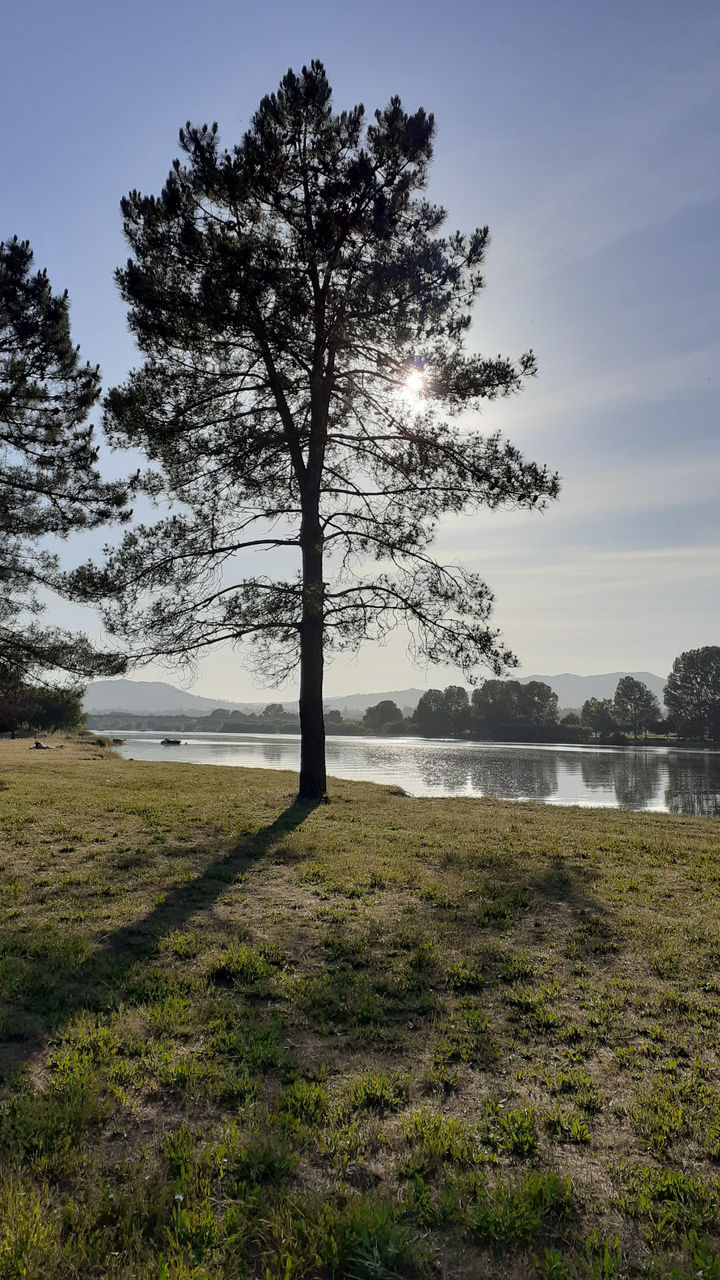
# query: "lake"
x,y
659,778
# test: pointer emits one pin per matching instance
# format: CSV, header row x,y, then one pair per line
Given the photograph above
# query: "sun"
x,y
415,382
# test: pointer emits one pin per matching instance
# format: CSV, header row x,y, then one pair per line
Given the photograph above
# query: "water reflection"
x,y
695,787
637,780
516,777
634,778
598,769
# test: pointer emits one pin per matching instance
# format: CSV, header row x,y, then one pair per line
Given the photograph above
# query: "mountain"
x,y
150,697
573,690
155,697
358,703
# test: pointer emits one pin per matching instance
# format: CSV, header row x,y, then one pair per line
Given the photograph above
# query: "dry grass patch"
x,y
377,1037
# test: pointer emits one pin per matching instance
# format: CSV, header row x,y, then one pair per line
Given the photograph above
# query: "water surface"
x,y
659,778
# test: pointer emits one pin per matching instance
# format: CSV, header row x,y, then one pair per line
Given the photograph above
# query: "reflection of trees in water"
x,y
446,769
598,770
694,786
634,776
273,752
637,779
515,775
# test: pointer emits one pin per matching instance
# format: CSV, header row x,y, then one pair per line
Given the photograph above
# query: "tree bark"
x,y
313,779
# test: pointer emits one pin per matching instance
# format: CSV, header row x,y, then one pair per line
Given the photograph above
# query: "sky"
x,y
586,136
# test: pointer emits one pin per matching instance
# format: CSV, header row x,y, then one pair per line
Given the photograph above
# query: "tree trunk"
x,y
313,780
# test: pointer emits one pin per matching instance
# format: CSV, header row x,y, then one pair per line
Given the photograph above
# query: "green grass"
x,y
380,1037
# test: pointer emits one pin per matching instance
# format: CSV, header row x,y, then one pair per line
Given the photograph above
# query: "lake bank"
x,y
381,1032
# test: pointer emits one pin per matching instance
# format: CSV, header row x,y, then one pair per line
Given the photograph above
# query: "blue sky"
x,y
585,135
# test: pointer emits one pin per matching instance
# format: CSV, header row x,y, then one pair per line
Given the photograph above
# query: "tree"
x,y
692,693
599,715
504,706
44,708
14,699
538,704
457,707
302,321
430,715
634,705
49,482
55,708
273,711
496,704
384,717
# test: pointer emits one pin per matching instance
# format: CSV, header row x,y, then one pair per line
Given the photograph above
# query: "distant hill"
x,y
573,690
155,697
358,703
151,697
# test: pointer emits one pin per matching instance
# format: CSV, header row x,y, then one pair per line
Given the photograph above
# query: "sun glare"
x,y
415,382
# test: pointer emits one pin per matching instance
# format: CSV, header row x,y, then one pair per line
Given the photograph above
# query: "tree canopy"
x,y
634,705
303,319
599,715
692,693
49,482
503,706
43,708
384,717
499,708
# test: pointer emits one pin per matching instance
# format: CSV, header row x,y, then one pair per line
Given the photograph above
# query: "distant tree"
x,y
571,720
457,708
692,693
273,711
659,725
333,717
634,705
49,482
537,703
599,715
496,704
384,717
430,714
505,706
302,322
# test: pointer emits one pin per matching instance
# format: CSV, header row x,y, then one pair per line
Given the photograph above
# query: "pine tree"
x,y
302,321
49,483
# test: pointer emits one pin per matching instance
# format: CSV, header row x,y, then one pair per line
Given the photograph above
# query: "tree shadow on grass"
x,y
563,883
51,989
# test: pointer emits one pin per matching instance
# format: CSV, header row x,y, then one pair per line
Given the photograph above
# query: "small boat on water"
x,y
170,742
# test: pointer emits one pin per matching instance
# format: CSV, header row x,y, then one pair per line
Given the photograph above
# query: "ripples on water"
x,y
631,778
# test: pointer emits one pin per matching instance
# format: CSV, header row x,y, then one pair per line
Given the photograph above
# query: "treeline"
x,y
499,710
510,711
274,719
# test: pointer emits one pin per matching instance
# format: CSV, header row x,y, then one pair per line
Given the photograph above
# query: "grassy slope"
x,y
380,1037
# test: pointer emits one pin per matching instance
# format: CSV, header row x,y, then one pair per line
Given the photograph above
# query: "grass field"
x,y
380,1037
